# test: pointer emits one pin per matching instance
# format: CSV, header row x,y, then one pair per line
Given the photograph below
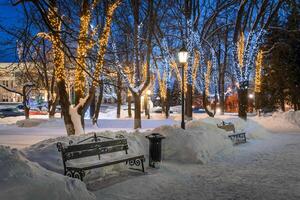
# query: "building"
x,y
9,80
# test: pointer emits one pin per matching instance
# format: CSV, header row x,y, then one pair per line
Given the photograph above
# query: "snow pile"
x,y
253,129
292,117
30,122
199,143
22,179
46,154
281,122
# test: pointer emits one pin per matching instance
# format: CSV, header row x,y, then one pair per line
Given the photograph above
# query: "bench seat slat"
x,y
94,152
101,163
93,145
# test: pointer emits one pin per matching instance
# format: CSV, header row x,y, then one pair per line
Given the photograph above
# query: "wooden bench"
x,y
96,147
238,137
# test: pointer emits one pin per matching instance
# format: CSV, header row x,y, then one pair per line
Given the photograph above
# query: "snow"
x,y
22,179
198,163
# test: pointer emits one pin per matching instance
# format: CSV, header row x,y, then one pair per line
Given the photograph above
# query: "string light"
x,y
56,44
104,40
258,63
207,78
82,49
240,49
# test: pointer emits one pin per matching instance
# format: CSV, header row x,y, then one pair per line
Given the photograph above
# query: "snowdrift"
x,y
292,117
22,179
199,143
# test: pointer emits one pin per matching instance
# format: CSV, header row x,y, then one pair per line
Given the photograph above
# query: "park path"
x,y
260,169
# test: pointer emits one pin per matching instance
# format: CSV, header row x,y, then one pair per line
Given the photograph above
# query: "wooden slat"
x,y
95,145
104,163
94,152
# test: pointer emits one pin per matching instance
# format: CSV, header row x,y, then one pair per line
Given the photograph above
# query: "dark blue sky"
x,y
11,17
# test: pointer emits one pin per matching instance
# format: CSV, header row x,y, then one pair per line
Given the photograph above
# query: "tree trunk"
x,y
189,102
205,105
98,104
93,107
137,111
119,96
282,103
145,104
65,107
243,102
26,112
129,106
52,107
168,103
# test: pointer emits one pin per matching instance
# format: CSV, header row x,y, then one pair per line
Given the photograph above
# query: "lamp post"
x,y
182,57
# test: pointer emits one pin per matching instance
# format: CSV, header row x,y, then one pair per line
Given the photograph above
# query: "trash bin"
x,y
154,148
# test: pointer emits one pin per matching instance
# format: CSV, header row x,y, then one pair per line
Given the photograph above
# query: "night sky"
x,y
11,17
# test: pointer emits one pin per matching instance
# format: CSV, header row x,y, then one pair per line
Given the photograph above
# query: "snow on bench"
x,y
95,148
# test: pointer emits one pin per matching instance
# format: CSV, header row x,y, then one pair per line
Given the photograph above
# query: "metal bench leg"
x,y
143,169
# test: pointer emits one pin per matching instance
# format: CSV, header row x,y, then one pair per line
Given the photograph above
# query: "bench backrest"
x,y
93,148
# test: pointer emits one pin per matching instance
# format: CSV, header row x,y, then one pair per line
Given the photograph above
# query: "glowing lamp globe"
x,y
183,55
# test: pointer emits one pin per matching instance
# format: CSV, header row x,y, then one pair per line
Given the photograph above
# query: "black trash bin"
x,y
154,148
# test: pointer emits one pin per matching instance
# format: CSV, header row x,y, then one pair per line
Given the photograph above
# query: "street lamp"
x,y
182,57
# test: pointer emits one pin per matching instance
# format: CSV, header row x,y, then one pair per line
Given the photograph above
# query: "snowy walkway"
x,y
20,137
265,169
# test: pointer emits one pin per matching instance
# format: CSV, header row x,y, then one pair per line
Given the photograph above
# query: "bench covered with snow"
x,y
227,126
75,165
235,137
238,137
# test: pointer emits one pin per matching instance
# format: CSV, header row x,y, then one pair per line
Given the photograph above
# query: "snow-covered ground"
x,y
198,163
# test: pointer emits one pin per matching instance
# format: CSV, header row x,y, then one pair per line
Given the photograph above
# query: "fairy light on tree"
x,y
258,64
240,49
207,77
83,47
104,40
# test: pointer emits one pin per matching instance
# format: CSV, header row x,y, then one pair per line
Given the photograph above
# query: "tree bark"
x,y
168,103
189,102
129,106
93,107
137,111
243,102
98,104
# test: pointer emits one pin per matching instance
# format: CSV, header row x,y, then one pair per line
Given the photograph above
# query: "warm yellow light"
x,y
240,48
207,78
258,63
148,92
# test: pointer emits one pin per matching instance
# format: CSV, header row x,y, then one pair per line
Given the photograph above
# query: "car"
x,y
36,111
198,110
10,112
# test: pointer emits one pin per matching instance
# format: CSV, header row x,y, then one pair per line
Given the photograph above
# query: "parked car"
x,y
36,111
10,112
198,110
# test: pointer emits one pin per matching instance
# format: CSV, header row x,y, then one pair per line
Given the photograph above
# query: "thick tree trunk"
x,y
52,107
93,107
205,106
65,107
145,104
168,103
243,102
257,101
26,112
282,103
98,104
189,102
137,111
129,106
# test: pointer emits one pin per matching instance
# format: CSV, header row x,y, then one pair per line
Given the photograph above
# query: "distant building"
x,y
8,79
